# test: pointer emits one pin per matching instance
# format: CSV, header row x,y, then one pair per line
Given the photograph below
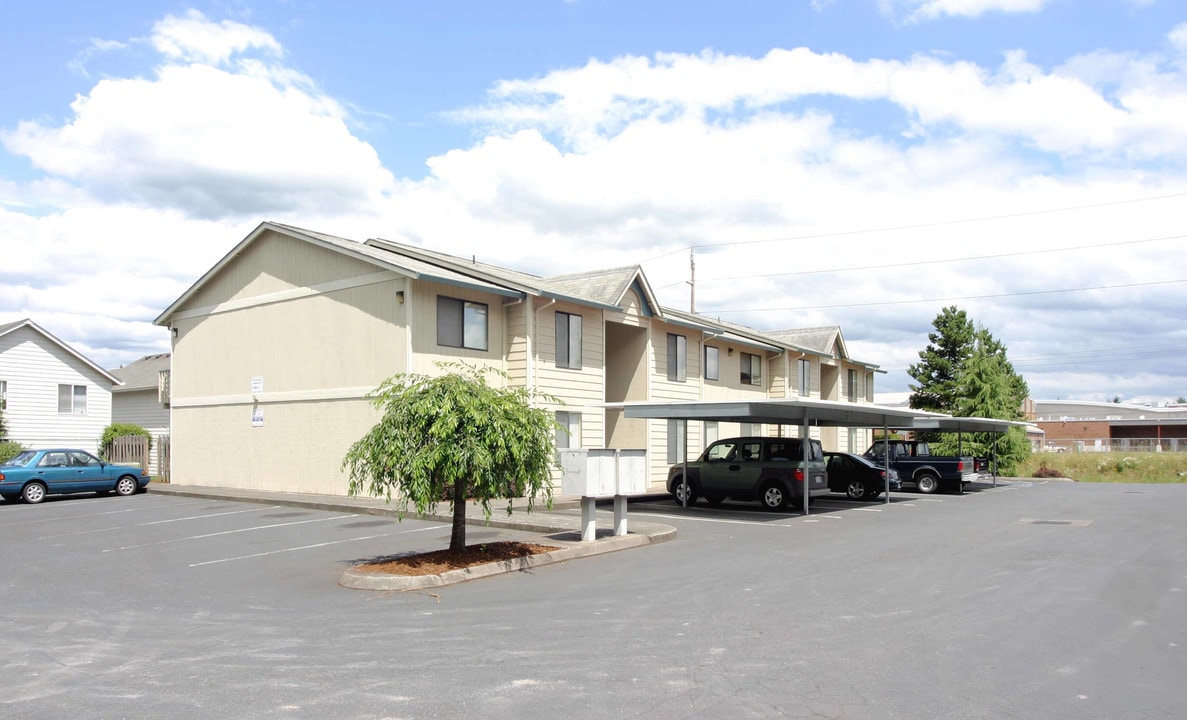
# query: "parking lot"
x,y
1029,600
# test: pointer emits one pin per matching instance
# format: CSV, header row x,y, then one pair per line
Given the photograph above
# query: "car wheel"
x,y
715,500
774,497
927,483
679,488
126,485
856,490
33,493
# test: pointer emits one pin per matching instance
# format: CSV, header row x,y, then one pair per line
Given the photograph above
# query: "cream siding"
x,y
579,390
33,366
519,344
141,407
423,321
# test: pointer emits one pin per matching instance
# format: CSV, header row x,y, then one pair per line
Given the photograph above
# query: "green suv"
x,y
770,470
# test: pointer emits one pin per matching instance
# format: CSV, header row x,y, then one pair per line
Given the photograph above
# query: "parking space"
x,y
1040,599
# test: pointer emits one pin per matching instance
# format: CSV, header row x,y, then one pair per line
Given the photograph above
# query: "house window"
x,y
751,369
852,378
677,357
712,363
570,435
675,440
568,340
805,378
461,323
72,399
711,432
3,395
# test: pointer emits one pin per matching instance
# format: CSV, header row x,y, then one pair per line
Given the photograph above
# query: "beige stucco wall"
x,y
316,348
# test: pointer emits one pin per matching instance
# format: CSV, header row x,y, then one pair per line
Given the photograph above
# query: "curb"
x,y
356,579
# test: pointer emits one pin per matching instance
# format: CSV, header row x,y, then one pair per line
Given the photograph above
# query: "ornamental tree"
x,y
455,436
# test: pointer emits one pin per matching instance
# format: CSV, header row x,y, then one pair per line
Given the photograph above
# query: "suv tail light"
x,y
799,474
960,466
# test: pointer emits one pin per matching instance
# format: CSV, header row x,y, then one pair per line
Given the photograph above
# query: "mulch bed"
x,y
439,561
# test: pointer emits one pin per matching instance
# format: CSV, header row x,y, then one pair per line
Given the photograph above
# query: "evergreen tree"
x,y
941,363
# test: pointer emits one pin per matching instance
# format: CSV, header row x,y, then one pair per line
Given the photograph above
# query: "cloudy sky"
x,y
861,163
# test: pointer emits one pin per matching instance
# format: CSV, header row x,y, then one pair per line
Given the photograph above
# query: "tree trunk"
x,y
457,540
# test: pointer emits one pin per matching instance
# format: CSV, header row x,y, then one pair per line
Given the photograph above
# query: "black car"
x,y
857,477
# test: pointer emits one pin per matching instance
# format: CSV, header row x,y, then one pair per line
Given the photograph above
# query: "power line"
x,y
917,263
919,226
933,300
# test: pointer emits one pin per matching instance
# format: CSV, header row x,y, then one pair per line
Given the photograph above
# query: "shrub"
x,y
9,449
1047,472
115,430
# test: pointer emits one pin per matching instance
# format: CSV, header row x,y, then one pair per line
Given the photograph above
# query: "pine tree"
x,y
941,363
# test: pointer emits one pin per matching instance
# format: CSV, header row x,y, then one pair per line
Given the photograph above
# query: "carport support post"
x,y
886,457
807,443
684,459
993,459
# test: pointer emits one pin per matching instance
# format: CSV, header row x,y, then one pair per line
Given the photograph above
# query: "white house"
x,y
51,394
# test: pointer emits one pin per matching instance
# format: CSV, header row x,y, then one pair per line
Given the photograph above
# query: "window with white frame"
x,y
72,399
568,340
851,377
570,435
711,432
676,441
751,369
677,357
462,324
3,395
805,386
712,363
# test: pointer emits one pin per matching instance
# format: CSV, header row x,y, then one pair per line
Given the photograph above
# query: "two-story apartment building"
x,y
276,346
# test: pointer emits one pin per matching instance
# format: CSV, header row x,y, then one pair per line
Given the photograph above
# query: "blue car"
x,y
33,474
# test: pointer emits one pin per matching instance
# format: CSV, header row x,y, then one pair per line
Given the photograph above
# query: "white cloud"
x,y
210,141
1178,37
193,38
933,9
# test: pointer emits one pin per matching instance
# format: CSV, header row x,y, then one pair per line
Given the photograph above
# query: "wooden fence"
x,y
134,450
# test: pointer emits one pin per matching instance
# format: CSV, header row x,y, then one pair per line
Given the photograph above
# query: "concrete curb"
x,y
360,580
561,530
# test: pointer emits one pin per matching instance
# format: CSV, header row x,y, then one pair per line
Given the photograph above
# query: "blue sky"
x,y
795,144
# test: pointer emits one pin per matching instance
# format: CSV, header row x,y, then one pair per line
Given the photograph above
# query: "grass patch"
x,y
1131,467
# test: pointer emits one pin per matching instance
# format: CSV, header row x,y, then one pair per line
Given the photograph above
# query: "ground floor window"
x,y
570,436
676,441
72,399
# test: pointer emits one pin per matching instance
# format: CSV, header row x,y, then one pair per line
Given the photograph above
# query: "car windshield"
x,y
20,459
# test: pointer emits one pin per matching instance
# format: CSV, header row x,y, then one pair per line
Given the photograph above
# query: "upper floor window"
x,y
805,386
72,399
712,363
751,369
851,377
462,324
568,340
677,357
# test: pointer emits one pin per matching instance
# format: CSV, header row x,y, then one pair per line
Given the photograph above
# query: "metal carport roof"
x,y
808,412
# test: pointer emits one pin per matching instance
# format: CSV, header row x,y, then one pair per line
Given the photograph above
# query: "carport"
x,y
960,425
804,413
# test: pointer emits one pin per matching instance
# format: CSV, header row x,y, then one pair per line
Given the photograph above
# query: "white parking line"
x,y
870,509
930,500
41,518
161,522
229,532
308,547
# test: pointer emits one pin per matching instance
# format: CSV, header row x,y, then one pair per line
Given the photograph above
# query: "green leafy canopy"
x,y
454,436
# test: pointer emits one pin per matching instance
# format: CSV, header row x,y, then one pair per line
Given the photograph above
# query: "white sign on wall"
x,y
257,385
257,416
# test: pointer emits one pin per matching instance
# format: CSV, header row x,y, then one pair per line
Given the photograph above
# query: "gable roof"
x,y
407,267
143,374
14,326
821,339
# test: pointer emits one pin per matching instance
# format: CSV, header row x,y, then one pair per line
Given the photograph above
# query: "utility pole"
x,y
692,282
